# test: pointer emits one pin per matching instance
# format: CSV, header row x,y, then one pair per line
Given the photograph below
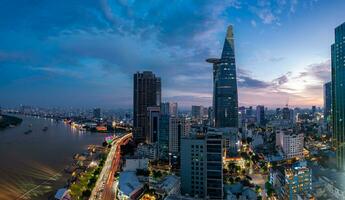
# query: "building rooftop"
x,y
129,182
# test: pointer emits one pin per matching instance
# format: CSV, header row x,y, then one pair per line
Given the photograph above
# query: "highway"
x,y
103,187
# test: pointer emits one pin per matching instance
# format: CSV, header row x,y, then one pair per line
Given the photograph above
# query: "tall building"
x,y
260,115
291,143
178,127
173,109
202,164
169,108
147,93
165,108
163,137
97,113
338,94
153,114
327,101
197,112
225,97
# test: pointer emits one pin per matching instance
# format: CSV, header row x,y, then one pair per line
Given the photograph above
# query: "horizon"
x,y
59,55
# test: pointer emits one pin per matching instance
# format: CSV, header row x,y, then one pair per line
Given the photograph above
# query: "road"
x,y
103,187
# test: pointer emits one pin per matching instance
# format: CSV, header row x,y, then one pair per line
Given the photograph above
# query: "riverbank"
x,y
9,121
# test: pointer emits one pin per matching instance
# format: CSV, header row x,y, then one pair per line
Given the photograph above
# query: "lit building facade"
x,y
291,143
338,94
327,101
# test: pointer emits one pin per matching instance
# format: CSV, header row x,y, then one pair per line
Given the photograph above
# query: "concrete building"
x,y
290,142
201,164
146,93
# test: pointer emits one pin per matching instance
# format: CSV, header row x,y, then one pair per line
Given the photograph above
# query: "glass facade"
x,y
163,138
338,94
225,97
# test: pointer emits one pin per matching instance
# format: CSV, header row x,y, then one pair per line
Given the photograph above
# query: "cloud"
x,y
253,23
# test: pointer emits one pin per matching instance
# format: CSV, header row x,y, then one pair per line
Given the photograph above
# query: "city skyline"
x,y
88,52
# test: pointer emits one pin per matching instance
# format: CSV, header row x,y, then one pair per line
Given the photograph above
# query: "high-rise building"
x,y
178,127
173,109
202,164
225,97
97,113
163,137
291,143
327,101
147,93
169,108
260,115
165,108
197,112
153,114
286,114
338,94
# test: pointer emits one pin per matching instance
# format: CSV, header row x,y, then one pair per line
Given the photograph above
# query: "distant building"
x,y
291,143
173,109
97,113
202,164
260,115
153,114
149,151
292,181
169,108
147,93
338,94
197,112
225,97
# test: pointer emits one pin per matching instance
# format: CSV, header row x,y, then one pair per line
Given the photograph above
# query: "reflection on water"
x,y
32,165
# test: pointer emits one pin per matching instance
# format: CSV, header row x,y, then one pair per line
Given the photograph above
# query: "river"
x,y
27,161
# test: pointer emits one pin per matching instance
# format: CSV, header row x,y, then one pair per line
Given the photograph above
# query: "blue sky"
x,y
83,53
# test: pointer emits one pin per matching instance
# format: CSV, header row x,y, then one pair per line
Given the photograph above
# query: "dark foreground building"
x,y
147,93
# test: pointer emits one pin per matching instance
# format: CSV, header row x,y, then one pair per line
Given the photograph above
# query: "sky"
x,y
83,53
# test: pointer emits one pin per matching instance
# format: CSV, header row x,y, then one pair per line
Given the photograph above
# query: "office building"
x,y
178,127
163,137
327,102
147,93
169,108
225,97
338,94
197,112
260,115
153,114
290,142
202,164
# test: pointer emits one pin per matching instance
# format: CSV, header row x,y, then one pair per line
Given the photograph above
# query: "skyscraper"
x,y
260,115
338,94
147,93
327,101
225,102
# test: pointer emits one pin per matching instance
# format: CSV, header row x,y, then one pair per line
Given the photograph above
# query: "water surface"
x,y
31,166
